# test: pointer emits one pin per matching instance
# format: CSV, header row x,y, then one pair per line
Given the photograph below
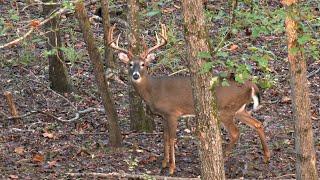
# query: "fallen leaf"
x,y
187,131
38,158
52,164
19,150
13,176
48,135
285,99
233,47
35,23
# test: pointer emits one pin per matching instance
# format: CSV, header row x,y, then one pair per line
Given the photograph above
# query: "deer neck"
x,y
143,87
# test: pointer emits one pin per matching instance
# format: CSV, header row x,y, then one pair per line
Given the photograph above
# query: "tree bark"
x,y
305,153
139,120
108,103
108,55
58,75
212,162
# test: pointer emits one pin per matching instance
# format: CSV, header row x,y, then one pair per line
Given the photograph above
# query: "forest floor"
x,y
39,146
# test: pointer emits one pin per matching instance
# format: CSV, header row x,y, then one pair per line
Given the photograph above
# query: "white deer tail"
x,y
255,97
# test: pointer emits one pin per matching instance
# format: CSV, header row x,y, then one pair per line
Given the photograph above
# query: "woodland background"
x,y
42,146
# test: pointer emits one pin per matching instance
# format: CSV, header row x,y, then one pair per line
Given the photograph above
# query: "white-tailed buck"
x,y
171,97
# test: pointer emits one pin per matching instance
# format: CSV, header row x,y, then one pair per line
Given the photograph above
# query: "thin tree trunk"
x,y
212,162
305,154
139,120
58,75
108,103
108,55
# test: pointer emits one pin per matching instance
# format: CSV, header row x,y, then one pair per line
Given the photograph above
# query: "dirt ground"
x,y
41,147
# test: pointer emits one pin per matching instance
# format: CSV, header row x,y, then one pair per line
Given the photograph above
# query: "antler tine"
x,y
115,43
160,41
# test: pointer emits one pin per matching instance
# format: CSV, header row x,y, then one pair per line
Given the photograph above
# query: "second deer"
x,y
171,98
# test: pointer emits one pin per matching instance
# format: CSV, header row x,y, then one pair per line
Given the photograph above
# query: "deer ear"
x,y
123,57
150,57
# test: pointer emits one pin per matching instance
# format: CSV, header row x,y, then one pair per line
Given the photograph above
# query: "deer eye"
x,y
131,64
142,64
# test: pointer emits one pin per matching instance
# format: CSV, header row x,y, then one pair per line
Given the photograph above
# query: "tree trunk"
x,y
305,153
139,120
58,75
108,103
108,55
212,162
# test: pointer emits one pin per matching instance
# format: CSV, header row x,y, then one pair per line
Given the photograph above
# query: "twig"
x,y
126,175
285,176
77,116
16,41
40,3
140,147
12,106
313,73
181,70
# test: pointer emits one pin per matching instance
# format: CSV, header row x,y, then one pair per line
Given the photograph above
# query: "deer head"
x,y
138,63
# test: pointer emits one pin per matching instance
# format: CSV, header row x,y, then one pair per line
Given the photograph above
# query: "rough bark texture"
x,y
114,129
139,120
58,75
305,153
212,163
108,55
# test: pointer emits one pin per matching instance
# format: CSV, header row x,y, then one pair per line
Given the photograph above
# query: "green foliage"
x,y
154,10
204,55
48,53
68,4
153,13
171,58
206,67
132,163
3,29
71,54
261,20
14,16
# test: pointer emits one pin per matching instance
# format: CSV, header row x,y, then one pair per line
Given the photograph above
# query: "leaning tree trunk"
x,y
108,103
108,55
212,162
58,75
139,120
305,154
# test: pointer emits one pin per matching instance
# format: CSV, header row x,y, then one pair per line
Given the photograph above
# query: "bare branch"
x,y
16,41
126,175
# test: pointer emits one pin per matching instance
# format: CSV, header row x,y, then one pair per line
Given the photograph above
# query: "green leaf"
x,y
225,83
204,55
304,39
153,13
293,51
206,67
222,54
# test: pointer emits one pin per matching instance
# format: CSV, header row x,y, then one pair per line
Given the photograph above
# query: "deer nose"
x,y
135,76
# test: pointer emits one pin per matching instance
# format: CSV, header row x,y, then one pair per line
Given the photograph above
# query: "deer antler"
x,y
115,43
160,42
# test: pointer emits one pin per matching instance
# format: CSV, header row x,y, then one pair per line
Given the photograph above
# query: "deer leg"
x,y
233,132
246,118
165,160
172,124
